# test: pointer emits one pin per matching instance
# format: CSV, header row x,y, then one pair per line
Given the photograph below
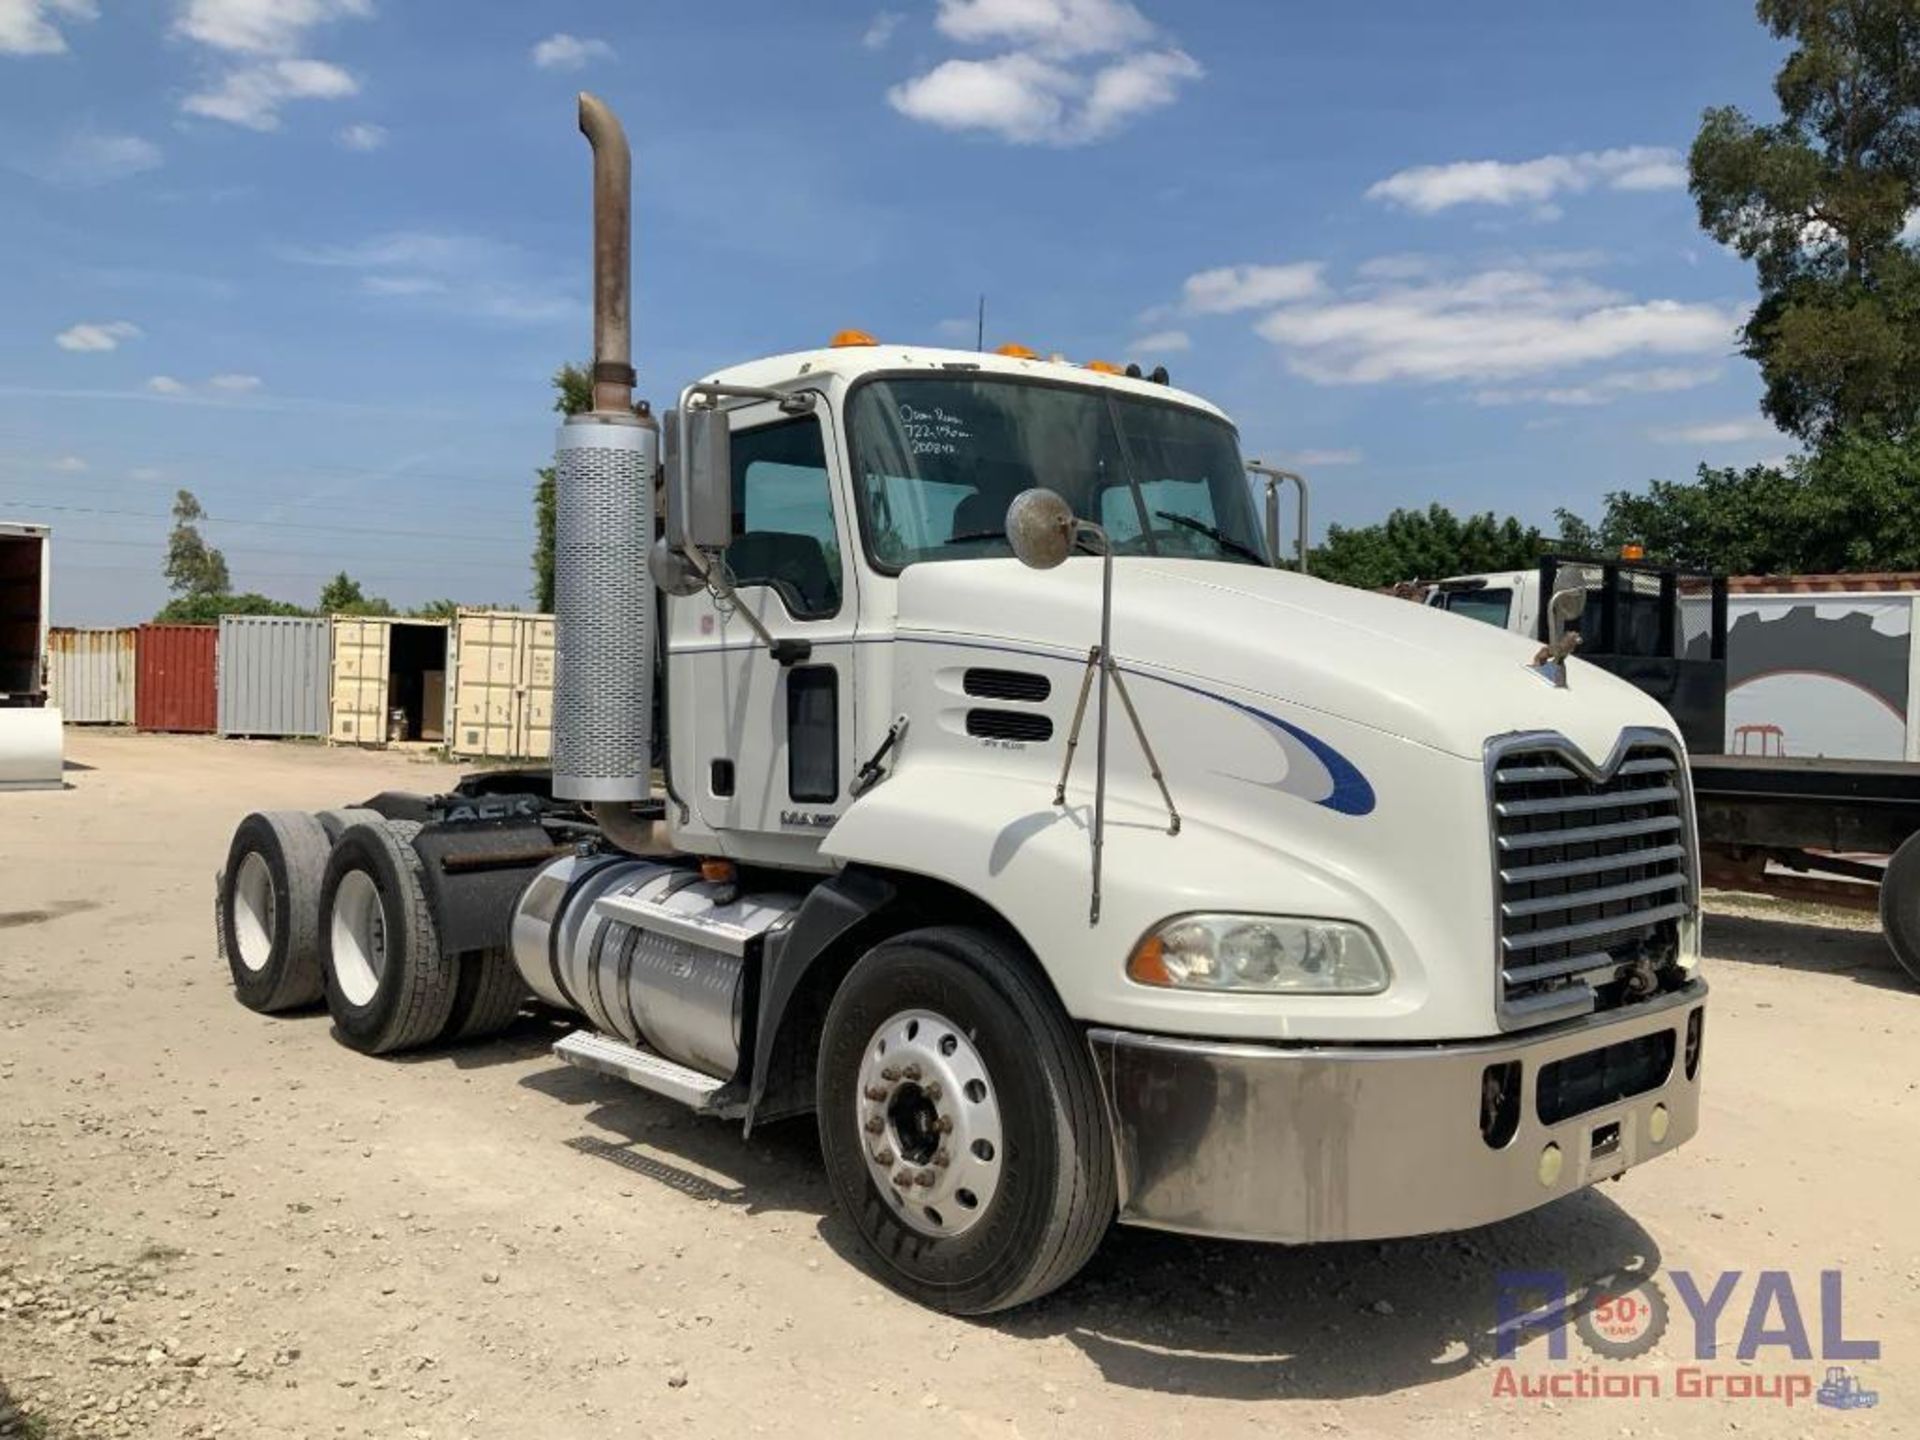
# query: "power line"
x,y
274,524
383,579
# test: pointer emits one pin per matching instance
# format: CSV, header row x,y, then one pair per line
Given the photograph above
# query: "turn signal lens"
x,y
718,872
847,338
1260,954
1017,352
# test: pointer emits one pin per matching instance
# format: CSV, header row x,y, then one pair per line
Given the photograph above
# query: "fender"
x,y
831,909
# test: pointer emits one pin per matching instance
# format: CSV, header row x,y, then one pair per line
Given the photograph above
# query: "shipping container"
x,y
273,675
175,680
91,675
389,680
502,685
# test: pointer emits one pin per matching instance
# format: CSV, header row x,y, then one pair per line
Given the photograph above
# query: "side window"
x,y
783,517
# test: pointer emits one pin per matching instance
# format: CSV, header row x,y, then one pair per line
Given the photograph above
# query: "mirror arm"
x,y
794,402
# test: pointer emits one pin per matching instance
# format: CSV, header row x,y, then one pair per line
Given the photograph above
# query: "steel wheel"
x,y
255,912
931,1114
359,936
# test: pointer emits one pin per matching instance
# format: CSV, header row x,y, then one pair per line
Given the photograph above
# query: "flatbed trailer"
x,y
1831,830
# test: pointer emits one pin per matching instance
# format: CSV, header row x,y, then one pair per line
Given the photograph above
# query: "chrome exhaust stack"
x,y
605,462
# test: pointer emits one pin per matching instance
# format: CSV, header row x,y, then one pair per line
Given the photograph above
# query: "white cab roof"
x,y
849,362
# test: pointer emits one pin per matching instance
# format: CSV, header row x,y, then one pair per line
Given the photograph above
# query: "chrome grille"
x,y
1592,875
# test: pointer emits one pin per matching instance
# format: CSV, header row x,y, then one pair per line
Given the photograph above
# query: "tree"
x,y
1423,545
208,608
342,595
572,395
1847,506
1820,203
193,568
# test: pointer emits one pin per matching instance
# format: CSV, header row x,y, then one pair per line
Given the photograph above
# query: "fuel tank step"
x,y
701,1093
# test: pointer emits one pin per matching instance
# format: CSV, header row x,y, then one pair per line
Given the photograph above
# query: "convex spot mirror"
x,y
1040,528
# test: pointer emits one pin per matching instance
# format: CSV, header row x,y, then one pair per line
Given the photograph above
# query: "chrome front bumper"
x,y
1258,1142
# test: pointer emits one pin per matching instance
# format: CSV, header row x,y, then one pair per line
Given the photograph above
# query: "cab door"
x,y
770,741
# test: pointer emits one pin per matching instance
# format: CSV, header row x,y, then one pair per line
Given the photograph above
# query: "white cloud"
x,y
92,335
1076,71
363,136
269,39
166,385
262,27
471,276
1605,389
235,383
562,51
252,95
1250,287
879,32
90,157
70,464
1055,27
27,28
1162,342
1321,459
1428,189
1717,432
1493,325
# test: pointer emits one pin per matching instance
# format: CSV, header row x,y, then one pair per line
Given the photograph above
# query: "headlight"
x,y
1260,954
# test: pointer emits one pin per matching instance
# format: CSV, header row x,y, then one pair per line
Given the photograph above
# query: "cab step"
x,y
699,1092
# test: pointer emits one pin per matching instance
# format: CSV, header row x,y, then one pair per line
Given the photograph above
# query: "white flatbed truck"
x,y
1021,820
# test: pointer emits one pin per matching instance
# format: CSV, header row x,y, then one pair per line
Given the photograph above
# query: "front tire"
x,y
389,986
961,1123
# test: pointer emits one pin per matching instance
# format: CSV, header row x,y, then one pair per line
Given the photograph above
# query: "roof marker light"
x,y
1104,367
1017,352
846,339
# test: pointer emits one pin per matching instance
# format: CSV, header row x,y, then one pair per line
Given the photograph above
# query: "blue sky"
x,y
313,259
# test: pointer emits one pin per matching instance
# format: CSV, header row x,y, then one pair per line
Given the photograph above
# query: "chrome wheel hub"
x,y
929,1119
359,937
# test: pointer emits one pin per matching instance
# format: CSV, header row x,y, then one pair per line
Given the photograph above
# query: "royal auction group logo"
x,y
1622,1319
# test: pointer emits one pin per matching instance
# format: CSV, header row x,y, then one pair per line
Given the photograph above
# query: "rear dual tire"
x,y
270,909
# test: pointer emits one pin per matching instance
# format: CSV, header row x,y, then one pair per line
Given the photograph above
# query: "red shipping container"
x,y
175,686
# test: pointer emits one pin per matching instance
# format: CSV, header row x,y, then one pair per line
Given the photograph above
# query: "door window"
x,y
784,535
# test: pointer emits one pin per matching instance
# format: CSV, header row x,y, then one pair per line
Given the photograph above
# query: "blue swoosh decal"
x,y
1352,792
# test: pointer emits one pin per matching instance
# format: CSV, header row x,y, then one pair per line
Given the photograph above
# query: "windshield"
x,y
1491,606
937,460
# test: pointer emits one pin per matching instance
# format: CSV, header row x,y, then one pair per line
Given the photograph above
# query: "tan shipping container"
x,y
90,675
502,686
383,664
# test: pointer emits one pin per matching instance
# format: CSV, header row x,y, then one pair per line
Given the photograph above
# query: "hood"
x,y
1409,671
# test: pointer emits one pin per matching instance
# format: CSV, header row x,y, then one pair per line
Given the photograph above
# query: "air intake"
x,y
1007,684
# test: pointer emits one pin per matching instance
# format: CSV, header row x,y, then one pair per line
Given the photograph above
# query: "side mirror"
x,y
700,499
1040,528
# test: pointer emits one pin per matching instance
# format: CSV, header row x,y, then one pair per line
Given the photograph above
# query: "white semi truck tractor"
x,y
1021,820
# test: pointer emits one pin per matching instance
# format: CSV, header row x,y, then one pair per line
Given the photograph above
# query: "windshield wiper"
x,y
1213,533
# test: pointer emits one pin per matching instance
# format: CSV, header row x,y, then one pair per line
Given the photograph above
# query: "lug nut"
x,y
944,1125
943,1159
925,1179
912,1072
934,1092
902,1179
875,1124
883,1156
890,1074
877,1092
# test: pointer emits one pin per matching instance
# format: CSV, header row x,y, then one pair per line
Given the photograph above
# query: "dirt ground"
x,y
213,1222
